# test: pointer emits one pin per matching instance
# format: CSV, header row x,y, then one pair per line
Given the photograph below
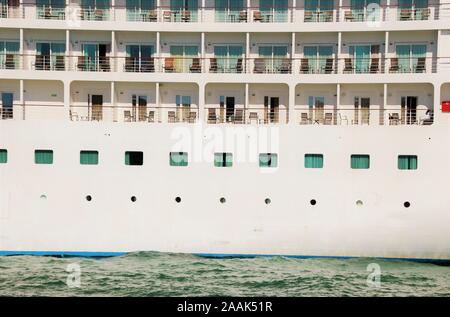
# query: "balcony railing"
x,y
51,13
246,115
298,14
392,116
138,113
222,65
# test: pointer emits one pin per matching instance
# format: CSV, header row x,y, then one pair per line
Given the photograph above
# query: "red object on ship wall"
x,y
445,106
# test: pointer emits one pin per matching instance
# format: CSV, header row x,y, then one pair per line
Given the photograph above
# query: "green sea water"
x,y
162,274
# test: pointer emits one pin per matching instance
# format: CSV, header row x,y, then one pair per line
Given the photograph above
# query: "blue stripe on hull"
x,y
209,255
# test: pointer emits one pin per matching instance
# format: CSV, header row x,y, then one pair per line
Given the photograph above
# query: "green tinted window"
x,y
43,157
3,156
407,162
178,159
134,158
268,160
314,160
88,157
223,159
360,161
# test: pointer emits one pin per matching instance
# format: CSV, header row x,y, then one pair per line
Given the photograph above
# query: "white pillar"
x,y
386,51
21,57
157,104
340,14
201,102
68,58
249,11
247,97
202,15
338,102
437,111
291,115
383,109
158,64
247,52
115,62
387,10
113,10
67,98
21,98
438,58
339,52
293,9
113,102
203,62
158,10
293,45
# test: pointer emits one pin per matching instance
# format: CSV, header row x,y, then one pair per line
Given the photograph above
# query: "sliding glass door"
x,y
274,10
228,10
136,9
50,56
183,57
184,10
227,57
273,57
9,55
317,57
411,57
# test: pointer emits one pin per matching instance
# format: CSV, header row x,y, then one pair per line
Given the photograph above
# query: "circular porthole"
x,y
267,201
223,200
133,198
407,204
359,203
313,202
178,200
88,197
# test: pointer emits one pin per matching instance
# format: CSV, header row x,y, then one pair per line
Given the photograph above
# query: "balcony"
x,y
92,13
93,64
50,62
11,61
51,12
8,11
138,113
392,116
246,115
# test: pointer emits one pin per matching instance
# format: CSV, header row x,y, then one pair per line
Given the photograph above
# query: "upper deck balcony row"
x,y
227,11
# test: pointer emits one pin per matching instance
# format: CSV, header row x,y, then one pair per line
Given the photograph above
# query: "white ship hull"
x,y
43,209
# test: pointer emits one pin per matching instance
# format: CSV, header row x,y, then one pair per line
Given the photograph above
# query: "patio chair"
x,y
10,62
348,16
127,117
374,65
195,67
103,63
73,116
186,16
171,116
253,116
394,119
260,66
169,65
151,116
81,64
285,67
328,119
304,66
153,16
348,66
239,68
60,62
257,17
243,16
329,66
304,119
308,16
130,64
213,65
192,117
343,118
420,67
405,14
167,16
394,68
239,116
212,116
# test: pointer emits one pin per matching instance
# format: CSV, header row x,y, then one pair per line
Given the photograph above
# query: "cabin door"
x,y
97,107
409,109
230,105
7,105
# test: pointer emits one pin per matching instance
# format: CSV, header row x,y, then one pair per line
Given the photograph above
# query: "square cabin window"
x,y
313,160
360,161
268,160
89,157
223,159
43,156
178,159
407,162
134,158
3,156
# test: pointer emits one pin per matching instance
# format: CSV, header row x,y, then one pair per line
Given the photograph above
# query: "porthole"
x,y
267,201
407,204
178,200
313,202
133,198
88,197
223,200
43,197
359,203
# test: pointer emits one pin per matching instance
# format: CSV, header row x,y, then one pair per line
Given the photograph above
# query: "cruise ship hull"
x,y
240,211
